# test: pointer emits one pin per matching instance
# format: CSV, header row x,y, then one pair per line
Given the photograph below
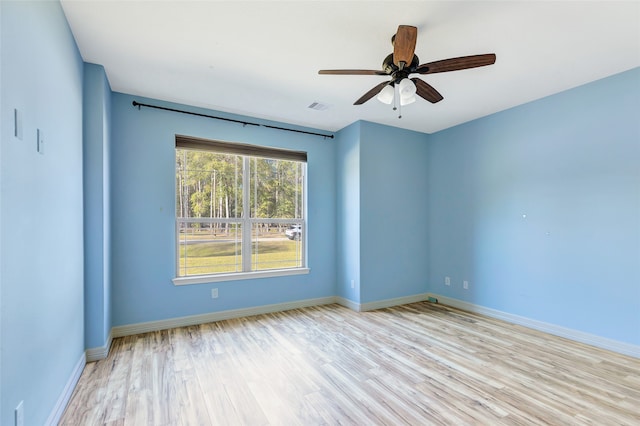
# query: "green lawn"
x,y
221,257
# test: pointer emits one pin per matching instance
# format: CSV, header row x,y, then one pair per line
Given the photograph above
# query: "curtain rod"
x,y
244,123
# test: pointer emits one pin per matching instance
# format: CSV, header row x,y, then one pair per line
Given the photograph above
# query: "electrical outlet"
x,y
447,281
353,284
214,293
465,285
19,419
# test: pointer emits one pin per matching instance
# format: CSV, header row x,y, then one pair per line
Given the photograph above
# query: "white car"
x,y
293,232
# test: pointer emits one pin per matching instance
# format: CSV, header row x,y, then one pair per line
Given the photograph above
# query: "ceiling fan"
x,y
403,62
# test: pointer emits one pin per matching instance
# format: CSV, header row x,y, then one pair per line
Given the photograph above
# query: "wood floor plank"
x,y
417,364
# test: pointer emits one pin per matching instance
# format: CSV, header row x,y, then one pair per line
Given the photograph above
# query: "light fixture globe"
x,y
386,94
406,88
406,100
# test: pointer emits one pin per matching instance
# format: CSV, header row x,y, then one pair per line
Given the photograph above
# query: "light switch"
x,y
40,146
17,124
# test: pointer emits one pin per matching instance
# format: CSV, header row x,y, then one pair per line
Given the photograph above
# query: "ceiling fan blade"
x,y
404,44
352,72
426,91
455,64
371,93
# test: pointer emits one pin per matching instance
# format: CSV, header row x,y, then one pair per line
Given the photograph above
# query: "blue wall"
x,y
348,212
143,216
393,209
381,210
97,209
539,208
41,238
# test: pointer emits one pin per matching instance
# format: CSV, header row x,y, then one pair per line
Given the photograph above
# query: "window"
x,y
240,211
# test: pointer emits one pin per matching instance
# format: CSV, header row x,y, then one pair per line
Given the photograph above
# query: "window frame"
x,y
247,153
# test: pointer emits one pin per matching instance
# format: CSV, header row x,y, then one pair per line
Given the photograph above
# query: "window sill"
x,y
203,279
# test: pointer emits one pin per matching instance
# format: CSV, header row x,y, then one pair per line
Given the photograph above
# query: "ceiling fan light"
x,y
407,88
386,94
406,100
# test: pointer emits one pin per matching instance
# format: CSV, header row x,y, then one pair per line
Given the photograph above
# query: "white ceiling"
x,y
261,58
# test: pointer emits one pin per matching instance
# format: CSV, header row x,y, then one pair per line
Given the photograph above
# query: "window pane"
x,y
208,184
213,233
276,188
276,246
209,248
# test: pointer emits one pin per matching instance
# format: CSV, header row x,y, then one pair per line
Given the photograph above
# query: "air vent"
x,y
318,106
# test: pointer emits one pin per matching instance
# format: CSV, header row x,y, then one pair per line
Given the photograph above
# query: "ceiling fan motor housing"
x,y
396,73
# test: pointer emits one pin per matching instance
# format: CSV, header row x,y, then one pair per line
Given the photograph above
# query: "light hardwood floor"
x,y
416,364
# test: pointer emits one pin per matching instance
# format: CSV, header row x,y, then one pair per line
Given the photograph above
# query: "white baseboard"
x,y
145,327
96,354
405,300
65,396
380,304
348,304
578,336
